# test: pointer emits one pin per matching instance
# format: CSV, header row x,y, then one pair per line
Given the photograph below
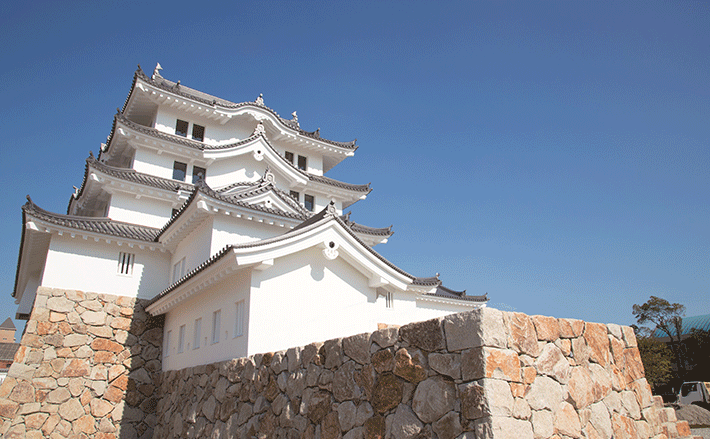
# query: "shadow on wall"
x,y
88,364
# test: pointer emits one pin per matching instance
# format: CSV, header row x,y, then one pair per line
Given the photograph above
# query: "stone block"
x,y
552,362
357,347
522,336
408,369
503,428
405,423
481,327
433,398
544,393
595,334
570,328
547,328
567,421
448,427
427,335
487,362
543,424
446,364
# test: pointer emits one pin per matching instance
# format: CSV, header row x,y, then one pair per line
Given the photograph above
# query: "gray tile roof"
x,y
359,228
448,293
325,215
214,101
104,226
7,324
120,118
7,351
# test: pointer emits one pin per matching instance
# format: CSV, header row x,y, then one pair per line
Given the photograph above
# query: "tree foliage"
x,y
656,358
668,317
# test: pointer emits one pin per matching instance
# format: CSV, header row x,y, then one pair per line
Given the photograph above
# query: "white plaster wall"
x,y
305,298
195,247
237,169
86,265
221,297
149,162
215,134
229,230
144,211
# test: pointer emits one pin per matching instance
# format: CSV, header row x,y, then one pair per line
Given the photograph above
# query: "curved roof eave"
x,y
206,99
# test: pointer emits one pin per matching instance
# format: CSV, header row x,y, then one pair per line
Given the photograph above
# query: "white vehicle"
x,y
697,392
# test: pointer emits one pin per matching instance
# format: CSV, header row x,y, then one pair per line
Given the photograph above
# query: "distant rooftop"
x,y
7,351
689,323
7,324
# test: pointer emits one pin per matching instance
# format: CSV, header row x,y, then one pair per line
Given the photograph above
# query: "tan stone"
x,y
571,328
617,351
629,336
580,387
548,329
618,380
522,336
113,394
85,424
683,428
517,389
595,334
502,364
85,398
100,408
115,371
642,390
71,410
50,424
565,345
529,374
22,393
121,323
633,367
8,408
101,344
35,420
104,357
551,362
56,316
405,368
624,427
567,421
76,368
45,328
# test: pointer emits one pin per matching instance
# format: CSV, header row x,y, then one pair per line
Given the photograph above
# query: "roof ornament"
x,y
260,99
156,72
259,130
177,85
269,176
330,250
330,209
295,118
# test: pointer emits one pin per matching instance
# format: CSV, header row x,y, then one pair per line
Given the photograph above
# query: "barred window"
x,y
389,300
239,319
181,128
181,339
125,263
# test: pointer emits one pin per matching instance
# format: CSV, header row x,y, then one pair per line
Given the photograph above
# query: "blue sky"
x,y
555,155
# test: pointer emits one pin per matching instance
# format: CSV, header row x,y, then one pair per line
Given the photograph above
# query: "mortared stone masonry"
x,y
89,366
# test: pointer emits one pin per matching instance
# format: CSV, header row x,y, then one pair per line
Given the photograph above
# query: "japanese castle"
x,y
219,215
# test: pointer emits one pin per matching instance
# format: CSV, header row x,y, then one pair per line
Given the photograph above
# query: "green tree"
x,y
656,358
668,317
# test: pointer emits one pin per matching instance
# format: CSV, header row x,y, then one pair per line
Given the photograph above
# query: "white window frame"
x,y
181,340
168,335
216,325
239,311
197,334
126,261
178,269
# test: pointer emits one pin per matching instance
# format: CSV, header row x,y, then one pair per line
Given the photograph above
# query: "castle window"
x,y
179,171
295,195
239,319
181,128
197,334
167,344
198,132
289,156
181,339
198,173
216,325
125,263
309,202
389,300
302,162
178,269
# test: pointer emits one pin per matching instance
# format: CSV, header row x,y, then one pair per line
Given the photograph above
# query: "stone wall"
x,y
88,366
481,374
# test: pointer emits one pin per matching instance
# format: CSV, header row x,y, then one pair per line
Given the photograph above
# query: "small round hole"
x,y
331,244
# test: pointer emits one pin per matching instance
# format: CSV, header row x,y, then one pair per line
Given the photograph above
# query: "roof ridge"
x,y
174,87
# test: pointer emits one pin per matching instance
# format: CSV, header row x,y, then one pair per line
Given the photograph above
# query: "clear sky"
x,y
555,155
